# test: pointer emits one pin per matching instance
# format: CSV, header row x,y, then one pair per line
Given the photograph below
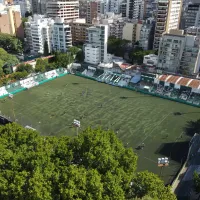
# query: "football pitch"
x,y
136,118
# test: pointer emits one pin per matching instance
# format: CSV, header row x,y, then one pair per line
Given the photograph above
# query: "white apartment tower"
x,y
96,47
135,9
168,17
38,31
61,36
66,9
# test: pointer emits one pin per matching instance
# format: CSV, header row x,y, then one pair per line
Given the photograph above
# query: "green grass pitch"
x,y
136,118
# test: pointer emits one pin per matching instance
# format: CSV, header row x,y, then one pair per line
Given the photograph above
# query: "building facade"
x,y
92,10
10,20
131,31
38,30
179,53
79,31
147,34
68,10
61,38
25,6
96,46
39,6
167,18
191,14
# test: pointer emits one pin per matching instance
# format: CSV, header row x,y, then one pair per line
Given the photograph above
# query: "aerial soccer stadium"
x,y
50,103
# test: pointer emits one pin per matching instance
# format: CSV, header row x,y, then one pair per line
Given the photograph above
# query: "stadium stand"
x,y
89,72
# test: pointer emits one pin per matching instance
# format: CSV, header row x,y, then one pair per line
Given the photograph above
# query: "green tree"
x,y
74,50
24,19
147,183
41,65
93,165
137,55
7,59
63,59
46,49
25,67
10,43
19,75
196,180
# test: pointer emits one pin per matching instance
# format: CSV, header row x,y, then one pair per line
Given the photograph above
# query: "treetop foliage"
x,y
10,43
94,165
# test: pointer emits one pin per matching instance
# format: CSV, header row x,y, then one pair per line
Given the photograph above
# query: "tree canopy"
x,y
6,58
93,165
117,46
63,59
10,43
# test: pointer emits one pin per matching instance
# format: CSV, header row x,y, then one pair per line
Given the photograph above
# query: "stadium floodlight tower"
x,y
77,124
163,162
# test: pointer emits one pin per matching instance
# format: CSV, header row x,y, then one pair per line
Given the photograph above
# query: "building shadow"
x,y
176,151
192,127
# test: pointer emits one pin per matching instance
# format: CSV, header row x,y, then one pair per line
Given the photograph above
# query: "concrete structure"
x,y
96,46
61,38
135,9
147,34
92,10
10,20
115,23
25,6
193,30
39,6
38,31
79,31
68,10
112,6
191,14
123,8
179,53
168,17
131,31
150,60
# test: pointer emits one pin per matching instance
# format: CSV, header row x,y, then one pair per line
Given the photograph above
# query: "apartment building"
x,y
191,14
61,38
38,30
39,6
96,46
68,10
79,30
10,20
25,6
135,9
147,34
115,23
92,10
131,31
179,53
168,17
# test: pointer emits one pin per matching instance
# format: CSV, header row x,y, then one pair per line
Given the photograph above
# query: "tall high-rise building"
x,y
38,30
25,6
135,9
96,46
61,38
66,9
10,20
168,17
92,10
39,6
191,15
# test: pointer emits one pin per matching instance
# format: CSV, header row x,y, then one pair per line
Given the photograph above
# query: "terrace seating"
x,y
124,82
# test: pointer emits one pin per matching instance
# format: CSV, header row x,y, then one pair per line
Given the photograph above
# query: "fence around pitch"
x,y
40,83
